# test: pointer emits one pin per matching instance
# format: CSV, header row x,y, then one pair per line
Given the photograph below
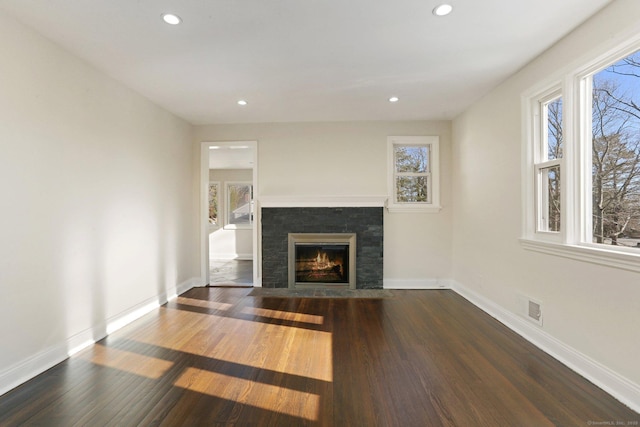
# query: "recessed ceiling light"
x,y
242,102
171,19
394,99
442,10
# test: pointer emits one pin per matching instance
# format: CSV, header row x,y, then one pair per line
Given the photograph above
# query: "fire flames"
x,y
322,262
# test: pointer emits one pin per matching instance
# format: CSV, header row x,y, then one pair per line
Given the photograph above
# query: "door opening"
x,y
229,216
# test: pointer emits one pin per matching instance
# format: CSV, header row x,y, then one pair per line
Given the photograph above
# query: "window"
x,y
414,174
214,203
581,164
548,160
239,206
615,153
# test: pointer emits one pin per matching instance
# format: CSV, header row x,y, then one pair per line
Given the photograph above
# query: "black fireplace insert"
x,y
321,263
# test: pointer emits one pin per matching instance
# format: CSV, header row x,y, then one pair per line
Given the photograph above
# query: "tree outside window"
x,y
413,174
214,190
615,146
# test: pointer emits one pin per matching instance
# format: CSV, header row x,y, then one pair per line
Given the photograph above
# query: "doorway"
x,y
229,237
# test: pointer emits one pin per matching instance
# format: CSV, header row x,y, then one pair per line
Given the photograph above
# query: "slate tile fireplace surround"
x,y
365,222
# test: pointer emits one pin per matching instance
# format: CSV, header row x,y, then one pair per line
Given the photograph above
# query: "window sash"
x,y
427,187
427,163
541,138
538,115
588,222
429,172
543,191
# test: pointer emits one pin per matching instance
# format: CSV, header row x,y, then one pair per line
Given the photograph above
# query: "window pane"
x,y
616,154
411,158
554,129
239,209
550,194
213,204
410,189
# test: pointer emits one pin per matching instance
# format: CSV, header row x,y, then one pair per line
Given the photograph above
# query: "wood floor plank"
x,y
218,357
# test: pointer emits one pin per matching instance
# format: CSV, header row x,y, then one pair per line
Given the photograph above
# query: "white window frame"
x,y
574,239
433,174
540,146
227,206
220,207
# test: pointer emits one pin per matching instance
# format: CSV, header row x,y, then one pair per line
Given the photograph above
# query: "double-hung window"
x,y
548,162
414,181
581,161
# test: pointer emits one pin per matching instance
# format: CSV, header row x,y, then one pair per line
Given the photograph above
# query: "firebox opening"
x,y
321,263
322,260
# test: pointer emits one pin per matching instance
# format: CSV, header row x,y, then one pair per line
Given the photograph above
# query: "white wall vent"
x,y
531,309
535,312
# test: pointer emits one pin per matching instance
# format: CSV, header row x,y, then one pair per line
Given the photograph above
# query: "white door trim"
x,y
204,209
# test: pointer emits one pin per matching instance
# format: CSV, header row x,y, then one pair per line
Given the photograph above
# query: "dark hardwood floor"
x,y
217,357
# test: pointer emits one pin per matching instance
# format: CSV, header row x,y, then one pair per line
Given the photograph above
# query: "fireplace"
x,y
277,223
322,260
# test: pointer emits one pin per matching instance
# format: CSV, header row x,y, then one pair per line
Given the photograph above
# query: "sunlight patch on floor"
x,y
204,304
133,363
216,337
265,396
284,315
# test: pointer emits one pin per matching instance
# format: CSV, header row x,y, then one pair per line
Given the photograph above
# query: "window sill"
x,y
414,209
594,255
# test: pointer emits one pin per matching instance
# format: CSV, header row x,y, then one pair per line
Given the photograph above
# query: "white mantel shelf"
x,y
322,201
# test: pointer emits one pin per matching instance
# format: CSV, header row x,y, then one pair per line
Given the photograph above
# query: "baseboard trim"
x,y
416,283
33,366
613,383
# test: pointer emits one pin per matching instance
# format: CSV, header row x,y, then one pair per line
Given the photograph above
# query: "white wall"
x,y
592,309
97,202
349,159
229,243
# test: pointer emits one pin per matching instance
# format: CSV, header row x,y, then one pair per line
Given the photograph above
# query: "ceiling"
x,y
306,60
